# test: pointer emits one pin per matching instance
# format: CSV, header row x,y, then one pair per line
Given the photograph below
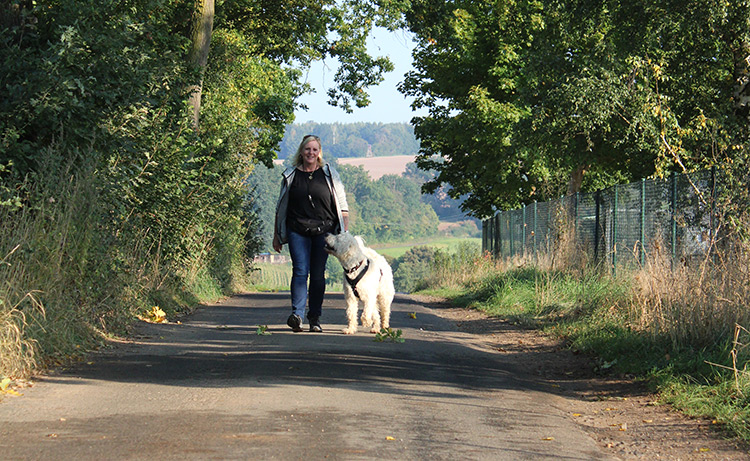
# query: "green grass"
x,y
396,250
601,316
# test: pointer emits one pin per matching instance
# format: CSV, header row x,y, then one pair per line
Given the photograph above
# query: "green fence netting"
x,y
618,226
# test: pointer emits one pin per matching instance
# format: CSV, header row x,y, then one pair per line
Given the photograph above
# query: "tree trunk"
x,y
203,24
576,179
741,76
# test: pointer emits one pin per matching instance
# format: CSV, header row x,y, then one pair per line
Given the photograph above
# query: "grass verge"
x,y
678,331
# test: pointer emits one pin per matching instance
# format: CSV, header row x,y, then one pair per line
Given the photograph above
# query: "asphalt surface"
x,y
213,388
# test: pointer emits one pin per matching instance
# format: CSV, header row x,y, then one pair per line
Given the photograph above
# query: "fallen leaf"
x,y
576,415
412,315
704,450
648,421
623,427
4,384
157,315
390,438
548,438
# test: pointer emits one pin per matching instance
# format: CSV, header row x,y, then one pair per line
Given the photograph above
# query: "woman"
x,y
312,203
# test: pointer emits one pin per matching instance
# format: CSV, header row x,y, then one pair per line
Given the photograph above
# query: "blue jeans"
x,y
308,258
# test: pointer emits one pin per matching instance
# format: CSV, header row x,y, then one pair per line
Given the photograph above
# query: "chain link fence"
x,y
617,226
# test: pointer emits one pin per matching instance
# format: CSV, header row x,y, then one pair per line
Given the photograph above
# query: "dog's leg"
x,y
384,303
370,314
351,311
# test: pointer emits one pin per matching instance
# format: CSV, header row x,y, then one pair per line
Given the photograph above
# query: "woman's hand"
x,y
276,243
345,224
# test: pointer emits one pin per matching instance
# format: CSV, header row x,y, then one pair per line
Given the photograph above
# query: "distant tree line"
x,y
344,140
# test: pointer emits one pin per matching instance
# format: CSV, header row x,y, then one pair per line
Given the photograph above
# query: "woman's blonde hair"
x,y
305,140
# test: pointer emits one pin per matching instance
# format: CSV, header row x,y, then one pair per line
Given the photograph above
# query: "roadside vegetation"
x,y
127,133
683,332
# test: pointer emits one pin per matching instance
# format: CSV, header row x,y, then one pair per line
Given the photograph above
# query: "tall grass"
x,y
46,249
679,326
68,280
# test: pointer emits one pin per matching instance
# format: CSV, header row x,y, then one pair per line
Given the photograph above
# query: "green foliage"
x,y
127,202
530,100
388,209
389,335
411,269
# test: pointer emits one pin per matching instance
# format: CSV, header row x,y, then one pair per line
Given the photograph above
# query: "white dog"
x,y
367,277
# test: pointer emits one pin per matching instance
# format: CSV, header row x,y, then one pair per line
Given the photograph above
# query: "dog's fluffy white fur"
x,y
375,288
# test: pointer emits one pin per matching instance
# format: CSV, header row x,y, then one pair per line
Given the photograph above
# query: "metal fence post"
x,y
597,224
492,235
575,218
498,234
510,235
523,232
643,222
534,229
614,233
712,224
673,209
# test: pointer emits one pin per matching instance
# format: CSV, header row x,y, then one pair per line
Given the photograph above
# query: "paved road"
x,y
211,388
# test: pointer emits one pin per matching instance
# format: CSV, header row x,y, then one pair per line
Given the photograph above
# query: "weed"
x,y
388,334
262,330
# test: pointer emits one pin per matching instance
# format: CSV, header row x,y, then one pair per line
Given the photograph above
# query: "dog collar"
x,y
349,271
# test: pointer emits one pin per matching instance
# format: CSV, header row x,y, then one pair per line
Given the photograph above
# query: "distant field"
x,y
380,166
277,277
375,166
395,250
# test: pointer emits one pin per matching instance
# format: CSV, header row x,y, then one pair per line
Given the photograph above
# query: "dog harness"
x,y
354,281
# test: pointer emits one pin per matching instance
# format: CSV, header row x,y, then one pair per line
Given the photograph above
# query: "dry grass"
x,y
694,305
56,291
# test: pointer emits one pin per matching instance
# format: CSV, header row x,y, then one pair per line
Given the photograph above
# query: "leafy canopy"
x,y
531,99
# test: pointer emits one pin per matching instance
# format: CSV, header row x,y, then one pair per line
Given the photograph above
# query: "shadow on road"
x,y
218,346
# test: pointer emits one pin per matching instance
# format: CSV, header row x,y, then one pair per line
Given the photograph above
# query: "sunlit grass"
x,y
670,328
396,250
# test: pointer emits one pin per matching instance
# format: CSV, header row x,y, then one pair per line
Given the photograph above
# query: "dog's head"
x,y
343,246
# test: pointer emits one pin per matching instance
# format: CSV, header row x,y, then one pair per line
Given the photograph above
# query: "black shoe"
x,y
315,326
295,322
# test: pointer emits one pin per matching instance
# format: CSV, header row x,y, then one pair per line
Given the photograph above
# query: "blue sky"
x,y
387,104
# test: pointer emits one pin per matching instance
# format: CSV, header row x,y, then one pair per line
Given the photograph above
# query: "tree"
x,y
200,38
532,99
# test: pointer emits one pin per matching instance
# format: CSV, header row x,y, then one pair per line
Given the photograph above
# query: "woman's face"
x,y
310,153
